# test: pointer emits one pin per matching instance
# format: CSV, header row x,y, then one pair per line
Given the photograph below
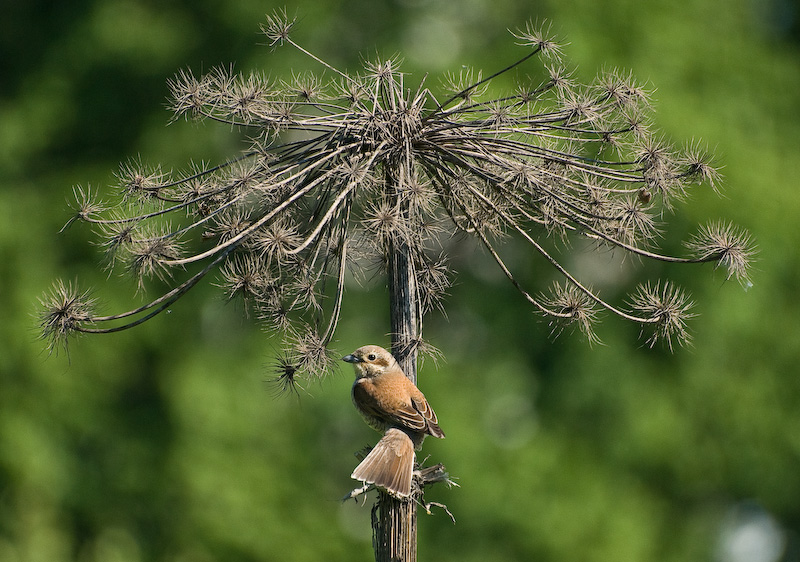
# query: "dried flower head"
x,y
539,37
85,205
572,308
667,310
375,166
286,375
726,245
277,28
65,310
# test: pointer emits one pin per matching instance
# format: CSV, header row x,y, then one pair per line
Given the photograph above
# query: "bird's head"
x,y
370,360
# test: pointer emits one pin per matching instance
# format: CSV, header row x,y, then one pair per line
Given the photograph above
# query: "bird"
x,y
393,405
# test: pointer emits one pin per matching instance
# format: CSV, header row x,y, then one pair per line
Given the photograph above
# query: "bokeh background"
x,y
166,443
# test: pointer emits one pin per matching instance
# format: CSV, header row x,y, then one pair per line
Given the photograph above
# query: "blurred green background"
x,y
166,444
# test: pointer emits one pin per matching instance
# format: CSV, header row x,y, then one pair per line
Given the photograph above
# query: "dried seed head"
x,y
149,255
286,378
189,95
379,167
313,358
246,277
140,183
571,307
466,84
117,234
729,246
85,205
64,311
306,87
278,27
433,280
697,163
276,241
632,224
383,223
539,37
667,308
623,89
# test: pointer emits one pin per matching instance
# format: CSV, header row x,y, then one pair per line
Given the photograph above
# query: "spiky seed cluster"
x,y
373,165
727,246
573,307
277,28
668,310
65,310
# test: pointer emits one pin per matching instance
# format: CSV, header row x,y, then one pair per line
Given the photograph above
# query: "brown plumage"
x,y
390,403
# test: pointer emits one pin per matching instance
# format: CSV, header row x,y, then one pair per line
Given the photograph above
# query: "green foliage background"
x,y
166,444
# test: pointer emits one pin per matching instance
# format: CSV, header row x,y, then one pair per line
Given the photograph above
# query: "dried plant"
x,y
344,167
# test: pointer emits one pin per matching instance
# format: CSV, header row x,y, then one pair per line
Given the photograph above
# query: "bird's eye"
x,y
371,357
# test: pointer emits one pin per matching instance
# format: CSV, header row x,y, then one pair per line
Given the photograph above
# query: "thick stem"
x,y
403,308
394,521
394,528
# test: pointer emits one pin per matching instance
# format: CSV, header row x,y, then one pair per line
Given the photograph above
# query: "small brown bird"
x,y
390,403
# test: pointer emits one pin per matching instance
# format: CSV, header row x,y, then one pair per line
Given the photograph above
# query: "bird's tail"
x,y
390,464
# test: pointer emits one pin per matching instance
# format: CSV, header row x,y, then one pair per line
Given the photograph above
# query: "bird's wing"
x,y
424,410
410,417
400,415
416,415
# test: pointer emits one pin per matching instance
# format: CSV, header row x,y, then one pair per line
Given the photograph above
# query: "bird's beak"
x,y
351,359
